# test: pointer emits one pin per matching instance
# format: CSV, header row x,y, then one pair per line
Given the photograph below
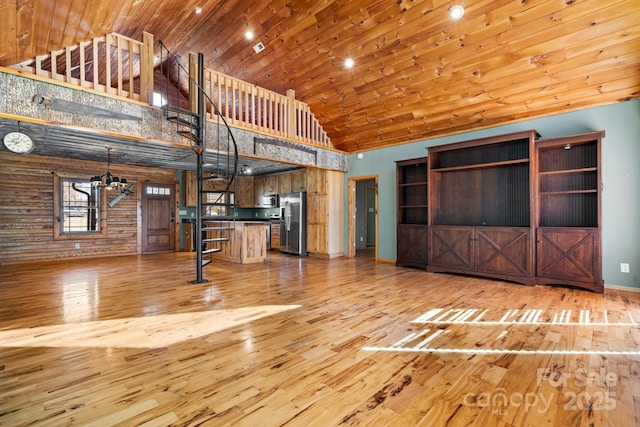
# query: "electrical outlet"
x,y
77,245
624,267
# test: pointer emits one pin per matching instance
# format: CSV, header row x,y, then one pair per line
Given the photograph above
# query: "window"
x,y
78,210
158,100
80,206
219,204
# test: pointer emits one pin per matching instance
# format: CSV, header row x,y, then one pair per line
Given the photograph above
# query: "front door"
x,y
158,217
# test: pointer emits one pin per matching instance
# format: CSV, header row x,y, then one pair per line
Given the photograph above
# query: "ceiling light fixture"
x,y
198,10
349,63
108,180
248,35
456,12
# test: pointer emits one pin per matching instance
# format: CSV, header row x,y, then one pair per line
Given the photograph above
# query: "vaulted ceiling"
x,y
418,74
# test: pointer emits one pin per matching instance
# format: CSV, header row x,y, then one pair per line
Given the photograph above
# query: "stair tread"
x,y
177,109
217,228
205,262
215,178
216,239
211,251
182,121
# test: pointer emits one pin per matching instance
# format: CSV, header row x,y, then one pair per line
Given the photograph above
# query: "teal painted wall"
x,y
620,178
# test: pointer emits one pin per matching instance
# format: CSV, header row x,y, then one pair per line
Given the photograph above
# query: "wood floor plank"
x,y
129,341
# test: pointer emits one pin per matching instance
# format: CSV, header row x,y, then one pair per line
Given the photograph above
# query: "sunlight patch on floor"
x,y
138,332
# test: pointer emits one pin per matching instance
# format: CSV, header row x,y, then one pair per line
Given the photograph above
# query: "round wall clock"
x,y
18,142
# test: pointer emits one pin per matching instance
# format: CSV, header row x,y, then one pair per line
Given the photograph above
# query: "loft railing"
x,y
111,64
120,66
248,106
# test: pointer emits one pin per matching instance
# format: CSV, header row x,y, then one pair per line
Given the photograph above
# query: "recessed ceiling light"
x,y
349,63
198,9
248,35
456,12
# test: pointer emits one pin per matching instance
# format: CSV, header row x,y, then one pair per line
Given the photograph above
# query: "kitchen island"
x,y
248,243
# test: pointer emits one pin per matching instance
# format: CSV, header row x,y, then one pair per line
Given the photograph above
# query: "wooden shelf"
x,y
481,165
568,171
544,193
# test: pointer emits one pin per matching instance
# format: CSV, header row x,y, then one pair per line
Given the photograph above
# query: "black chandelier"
x,y
109,180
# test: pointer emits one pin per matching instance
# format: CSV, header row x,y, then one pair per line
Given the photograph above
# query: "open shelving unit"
x,y
480,219
412,213
569,211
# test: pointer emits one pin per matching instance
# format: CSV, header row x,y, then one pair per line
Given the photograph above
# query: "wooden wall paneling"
x,y
27,213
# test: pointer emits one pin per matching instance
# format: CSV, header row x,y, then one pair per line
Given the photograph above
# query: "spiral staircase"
x,y
216,155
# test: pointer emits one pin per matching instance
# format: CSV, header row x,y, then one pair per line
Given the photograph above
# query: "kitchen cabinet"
x,y
284,183
259,185
299,180
245,196
325,212
275,235
411,214
247,245
271,184
189,188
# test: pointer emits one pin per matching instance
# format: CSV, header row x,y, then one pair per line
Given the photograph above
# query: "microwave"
x,y
269,201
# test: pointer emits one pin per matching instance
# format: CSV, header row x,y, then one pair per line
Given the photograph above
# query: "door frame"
x,y
351,215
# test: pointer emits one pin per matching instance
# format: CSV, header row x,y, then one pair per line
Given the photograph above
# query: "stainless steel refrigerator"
x,y
293,223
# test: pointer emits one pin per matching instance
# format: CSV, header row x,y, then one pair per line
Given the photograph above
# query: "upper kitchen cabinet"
x,y
569,211
189,188
299,180
271,184
284,183
245,197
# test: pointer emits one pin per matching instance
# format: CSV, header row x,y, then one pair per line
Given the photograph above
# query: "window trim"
x,y
58,229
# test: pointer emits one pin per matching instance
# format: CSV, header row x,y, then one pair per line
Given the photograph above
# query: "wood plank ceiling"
x,y
418,74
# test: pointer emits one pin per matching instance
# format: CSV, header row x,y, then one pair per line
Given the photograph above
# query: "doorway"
x,y
158,217
363,216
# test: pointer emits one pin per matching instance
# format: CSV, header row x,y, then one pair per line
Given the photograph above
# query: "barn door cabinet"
x,y
412,230
569,211
480,206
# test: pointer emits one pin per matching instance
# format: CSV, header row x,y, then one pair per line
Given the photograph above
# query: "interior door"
x,y
158,217
370,216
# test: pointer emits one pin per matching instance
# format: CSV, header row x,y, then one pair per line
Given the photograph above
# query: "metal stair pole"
x,y
200,159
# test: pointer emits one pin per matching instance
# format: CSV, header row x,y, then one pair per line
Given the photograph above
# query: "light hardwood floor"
x,y
308,342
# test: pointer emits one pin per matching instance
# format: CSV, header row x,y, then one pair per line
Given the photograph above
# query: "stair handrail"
x,y
213,105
